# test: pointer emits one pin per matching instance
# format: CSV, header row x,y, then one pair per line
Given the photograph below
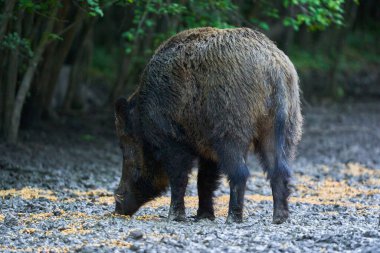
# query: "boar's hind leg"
x,y
208,177
275,164
279,176
232,163
177,164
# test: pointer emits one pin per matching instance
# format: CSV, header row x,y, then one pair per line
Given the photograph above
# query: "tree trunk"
x,y
61,56
43,87
80,65
121,77
8,9
304,38
35,103
27,80
10,89
6,13
28,24
2,90
125,67
123,73
336,89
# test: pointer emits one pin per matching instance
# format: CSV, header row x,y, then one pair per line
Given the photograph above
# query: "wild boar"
x,y
209,94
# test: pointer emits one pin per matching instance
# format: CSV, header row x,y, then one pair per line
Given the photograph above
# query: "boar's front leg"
x,y
177,164
208,177
232,163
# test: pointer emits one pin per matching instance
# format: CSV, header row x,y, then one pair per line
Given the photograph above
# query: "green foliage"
x,y
339,92
44,7
87,137
186,14
39,7
13,41
53,36
360,51
309,60
94,8
153,21
104,64
209,13
262,24
315,14
149,22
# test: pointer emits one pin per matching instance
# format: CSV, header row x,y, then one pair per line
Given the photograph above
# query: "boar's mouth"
x,y
126,204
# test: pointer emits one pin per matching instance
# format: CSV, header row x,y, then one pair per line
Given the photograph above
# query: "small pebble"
x,y
136,234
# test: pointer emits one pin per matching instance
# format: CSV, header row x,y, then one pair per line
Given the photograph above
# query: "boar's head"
x,y
142,179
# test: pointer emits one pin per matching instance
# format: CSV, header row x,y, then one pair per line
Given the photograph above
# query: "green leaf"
x,y
87,137
340,92
128,50
53,36
149,23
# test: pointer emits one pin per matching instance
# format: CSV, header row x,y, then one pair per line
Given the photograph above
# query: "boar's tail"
x,y
281,168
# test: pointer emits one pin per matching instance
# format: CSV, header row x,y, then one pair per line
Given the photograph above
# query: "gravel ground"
x,y
56,194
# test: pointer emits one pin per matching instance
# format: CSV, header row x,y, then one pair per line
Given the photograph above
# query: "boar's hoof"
x,y
233,218
204,215
280,217
177,217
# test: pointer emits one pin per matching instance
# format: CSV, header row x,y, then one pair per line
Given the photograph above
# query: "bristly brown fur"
x,y
221,82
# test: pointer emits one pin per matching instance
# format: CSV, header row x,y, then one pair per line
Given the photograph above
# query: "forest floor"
x,y
56,193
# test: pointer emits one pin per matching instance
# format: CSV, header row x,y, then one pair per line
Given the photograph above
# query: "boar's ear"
x,y
121,111
125,116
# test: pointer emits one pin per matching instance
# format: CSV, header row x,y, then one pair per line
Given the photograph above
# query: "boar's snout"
x,y
126,204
